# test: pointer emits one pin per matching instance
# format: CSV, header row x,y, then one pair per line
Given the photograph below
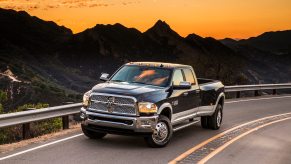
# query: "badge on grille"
x,y
110,103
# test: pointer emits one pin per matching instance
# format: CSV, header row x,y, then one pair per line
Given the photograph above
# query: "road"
x,y
269,145
272,141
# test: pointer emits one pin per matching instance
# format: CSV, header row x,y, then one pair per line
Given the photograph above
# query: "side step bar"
x,y
185,125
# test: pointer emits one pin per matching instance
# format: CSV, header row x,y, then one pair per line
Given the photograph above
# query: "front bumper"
x,y
116,124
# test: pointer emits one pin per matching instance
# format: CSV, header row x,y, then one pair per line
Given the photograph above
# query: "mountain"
x,y
41,61
27,47
278,42
22,30
268,56
91,49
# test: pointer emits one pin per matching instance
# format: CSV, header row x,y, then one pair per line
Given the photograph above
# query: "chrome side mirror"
x,y
183,85
104,77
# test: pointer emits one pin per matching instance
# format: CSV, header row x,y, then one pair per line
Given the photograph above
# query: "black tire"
x,y
213,121
204,122
92,135
151,142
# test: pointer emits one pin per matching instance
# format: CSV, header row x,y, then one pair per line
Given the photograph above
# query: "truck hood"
x,y
139,91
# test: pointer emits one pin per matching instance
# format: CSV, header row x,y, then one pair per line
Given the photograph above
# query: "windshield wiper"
x,y
139,82
117,80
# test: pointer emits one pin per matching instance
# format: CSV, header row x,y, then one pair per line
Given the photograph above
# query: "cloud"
x,y
52,4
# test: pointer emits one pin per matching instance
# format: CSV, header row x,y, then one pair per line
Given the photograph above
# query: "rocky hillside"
x,y
267,56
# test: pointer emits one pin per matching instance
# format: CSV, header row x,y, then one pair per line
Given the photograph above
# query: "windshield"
x,y
143,75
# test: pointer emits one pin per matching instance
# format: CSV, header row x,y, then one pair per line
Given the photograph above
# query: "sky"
x,y
216,18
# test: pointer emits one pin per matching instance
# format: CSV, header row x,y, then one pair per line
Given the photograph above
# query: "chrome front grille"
x,y
113,104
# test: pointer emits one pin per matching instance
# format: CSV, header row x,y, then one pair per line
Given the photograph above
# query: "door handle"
x,y
185,93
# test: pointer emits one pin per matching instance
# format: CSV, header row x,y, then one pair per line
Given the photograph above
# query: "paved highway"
x,y
268,145
273,140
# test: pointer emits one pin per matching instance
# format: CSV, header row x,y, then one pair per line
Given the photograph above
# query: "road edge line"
x,y
39,147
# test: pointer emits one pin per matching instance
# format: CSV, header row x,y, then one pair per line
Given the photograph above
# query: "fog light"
x,y
145,122
83,116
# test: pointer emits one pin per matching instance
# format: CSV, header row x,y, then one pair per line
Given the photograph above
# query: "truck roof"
x,y
159,64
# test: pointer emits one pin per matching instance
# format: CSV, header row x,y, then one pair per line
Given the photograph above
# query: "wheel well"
x,y
166,112
221,101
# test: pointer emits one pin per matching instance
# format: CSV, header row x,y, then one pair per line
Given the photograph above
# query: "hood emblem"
x,y
110,103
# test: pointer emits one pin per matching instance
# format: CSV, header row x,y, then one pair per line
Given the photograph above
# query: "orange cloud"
x,y
48,4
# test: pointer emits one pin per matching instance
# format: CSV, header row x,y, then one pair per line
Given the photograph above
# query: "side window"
x,y
189,76
177,77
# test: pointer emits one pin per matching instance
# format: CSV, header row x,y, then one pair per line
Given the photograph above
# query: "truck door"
x,y
177,98
193,97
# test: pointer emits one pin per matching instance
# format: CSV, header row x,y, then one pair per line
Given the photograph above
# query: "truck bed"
x,y
202,81
210,90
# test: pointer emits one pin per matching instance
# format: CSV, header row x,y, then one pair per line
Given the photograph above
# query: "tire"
x,y
204,122
158,140
92,135
214,121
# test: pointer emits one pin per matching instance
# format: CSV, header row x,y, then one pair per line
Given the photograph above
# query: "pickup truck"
x,y
152,100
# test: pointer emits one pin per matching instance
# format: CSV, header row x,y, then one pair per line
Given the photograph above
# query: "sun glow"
x,y
219,19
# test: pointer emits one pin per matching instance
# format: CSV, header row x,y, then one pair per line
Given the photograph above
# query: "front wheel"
x,y
162,134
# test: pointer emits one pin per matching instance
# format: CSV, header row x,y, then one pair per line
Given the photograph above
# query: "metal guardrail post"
x,y
274,91
26,131
65,120
257,93
238,94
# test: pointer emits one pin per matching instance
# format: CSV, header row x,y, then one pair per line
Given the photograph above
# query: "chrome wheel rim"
x,y
219,117
161,132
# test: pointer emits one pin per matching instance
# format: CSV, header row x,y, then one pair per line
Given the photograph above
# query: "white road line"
x,y
267,98
41,146
68,138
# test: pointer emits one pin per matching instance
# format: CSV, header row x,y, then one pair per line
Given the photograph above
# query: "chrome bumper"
x,y
136,124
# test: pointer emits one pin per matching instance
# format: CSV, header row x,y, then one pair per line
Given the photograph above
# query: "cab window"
x,y
177,77
189,76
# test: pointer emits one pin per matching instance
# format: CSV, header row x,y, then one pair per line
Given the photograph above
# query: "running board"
x,y
182,126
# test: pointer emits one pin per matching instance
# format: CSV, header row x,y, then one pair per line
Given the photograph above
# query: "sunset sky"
x,y
216,18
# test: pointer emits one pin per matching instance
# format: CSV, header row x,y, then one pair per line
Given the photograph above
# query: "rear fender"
x,y
221,96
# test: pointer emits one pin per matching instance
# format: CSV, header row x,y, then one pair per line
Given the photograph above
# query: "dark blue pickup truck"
x,y
152,100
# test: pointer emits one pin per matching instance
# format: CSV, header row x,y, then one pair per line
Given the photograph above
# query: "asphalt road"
x,y
122,149
268,145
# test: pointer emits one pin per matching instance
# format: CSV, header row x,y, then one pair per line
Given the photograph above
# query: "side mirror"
x,y
183,85
104,77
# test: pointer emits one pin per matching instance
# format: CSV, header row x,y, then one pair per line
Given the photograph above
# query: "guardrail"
x,y
26,117
256,88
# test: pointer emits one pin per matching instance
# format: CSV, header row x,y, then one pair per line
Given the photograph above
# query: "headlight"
x,y
86,98
147,107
